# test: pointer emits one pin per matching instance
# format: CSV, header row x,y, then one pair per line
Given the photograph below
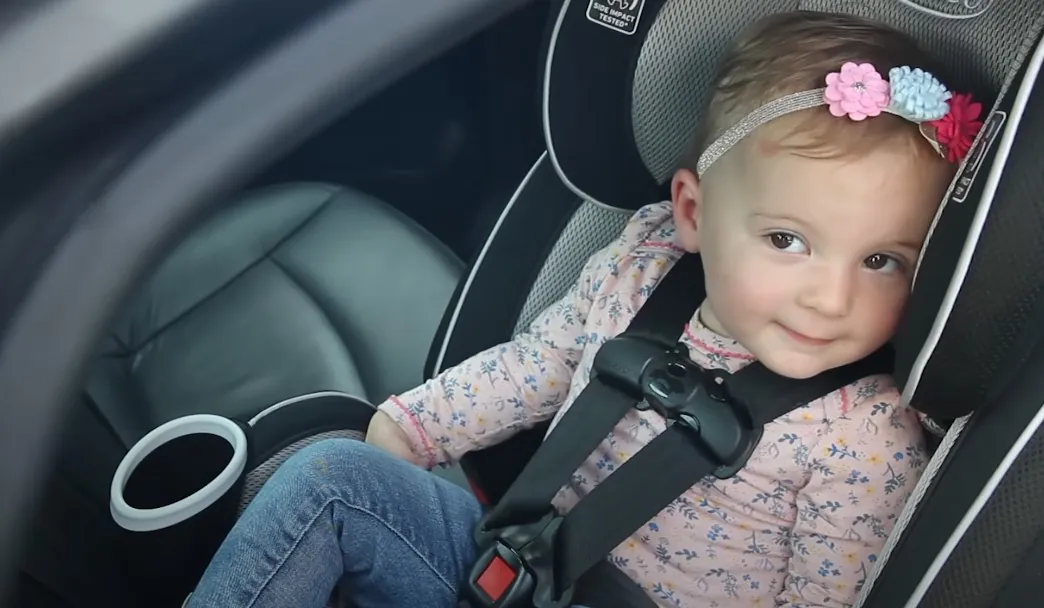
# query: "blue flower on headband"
x,y
917,95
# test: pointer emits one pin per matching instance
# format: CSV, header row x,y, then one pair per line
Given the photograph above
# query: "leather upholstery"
x,y
293,289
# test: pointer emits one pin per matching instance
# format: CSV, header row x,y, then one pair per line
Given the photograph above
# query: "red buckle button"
x,y
496,579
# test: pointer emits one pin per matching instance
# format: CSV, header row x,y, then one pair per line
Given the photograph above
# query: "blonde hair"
x,y
792,52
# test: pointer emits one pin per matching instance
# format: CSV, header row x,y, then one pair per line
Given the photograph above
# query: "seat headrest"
x,y
625,80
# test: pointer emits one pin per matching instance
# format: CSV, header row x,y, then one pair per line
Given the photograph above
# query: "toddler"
x,y
821,159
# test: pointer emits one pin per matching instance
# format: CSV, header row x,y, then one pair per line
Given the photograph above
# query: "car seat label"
x,y
618,15
991,129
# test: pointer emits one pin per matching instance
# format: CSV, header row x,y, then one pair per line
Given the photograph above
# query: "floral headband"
x,y
949,121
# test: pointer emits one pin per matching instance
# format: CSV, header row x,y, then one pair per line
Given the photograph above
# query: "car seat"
x,y
623,89
624,85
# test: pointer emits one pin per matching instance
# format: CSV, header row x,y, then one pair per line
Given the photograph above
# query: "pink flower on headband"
x,y
857,91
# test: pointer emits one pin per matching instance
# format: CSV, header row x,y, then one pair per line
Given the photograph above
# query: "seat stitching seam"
x,y
265,257
322,311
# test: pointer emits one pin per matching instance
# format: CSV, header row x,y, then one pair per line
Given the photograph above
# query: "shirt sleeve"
x,y
507,388
861,472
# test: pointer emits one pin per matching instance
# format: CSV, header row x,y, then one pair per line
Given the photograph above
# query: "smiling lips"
x,y
804,339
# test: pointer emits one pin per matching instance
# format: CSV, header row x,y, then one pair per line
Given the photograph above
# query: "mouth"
x,y
804,338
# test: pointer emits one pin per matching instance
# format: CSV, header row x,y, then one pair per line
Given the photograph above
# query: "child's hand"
x,y
385,434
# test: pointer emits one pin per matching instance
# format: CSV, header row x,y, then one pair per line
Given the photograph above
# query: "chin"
x,y
796,366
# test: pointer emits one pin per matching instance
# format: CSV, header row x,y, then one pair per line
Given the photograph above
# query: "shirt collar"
x,y
711,350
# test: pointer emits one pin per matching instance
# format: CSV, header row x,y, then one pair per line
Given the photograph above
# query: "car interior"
x,y
437,218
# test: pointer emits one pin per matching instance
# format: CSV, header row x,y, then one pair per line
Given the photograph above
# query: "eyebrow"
x,y
908,245
780,216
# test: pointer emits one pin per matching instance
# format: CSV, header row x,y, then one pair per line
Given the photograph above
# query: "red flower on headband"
x,y
957,130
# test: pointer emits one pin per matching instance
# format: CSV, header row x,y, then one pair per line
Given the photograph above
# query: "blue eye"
x,y
883,263
790,243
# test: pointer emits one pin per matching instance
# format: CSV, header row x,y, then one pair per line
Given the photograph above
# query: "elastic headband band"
x,y
948,121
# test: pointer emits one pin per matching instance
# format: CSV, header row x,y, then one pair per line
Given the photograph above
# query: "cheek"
x,y
746,284
880,309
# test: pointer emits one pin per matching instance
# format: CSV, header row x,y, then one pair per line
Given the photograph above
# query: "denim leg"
x,y
343,511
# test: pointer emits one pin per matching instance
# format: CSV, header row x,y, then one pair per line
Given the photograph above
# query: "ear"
x,y
687,199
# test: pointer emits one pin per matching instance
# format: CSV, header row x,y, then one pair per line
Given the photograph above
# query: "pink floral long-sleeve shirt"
x,y
800,525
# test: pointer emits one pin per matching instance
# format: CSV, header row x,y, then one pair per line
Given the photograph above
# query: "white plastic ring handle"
x,y
149,520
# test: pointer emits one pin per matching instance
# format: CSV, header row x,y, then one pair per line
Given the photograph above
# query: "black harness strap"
x,y
676,460
601,405
715,421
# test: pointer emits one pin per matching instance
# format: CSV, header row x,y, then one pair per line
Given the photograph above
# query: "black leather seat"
x,y
292,289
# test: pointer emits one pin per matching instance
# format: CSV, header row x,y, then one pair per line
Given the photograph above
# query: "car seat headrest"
x,y
625,80
624,84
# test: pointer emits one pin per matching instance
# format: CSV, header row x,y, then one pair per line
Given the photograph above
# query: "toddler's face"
x,y
808,261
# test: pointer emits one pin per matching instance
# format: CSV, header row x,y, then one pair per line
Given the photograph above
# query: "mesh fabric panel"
x,y
591,228
998,539
676,69
681,53
258,476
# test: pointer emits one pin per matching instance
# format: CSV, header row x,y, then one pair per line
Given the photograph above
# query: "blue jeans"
x,y
342,512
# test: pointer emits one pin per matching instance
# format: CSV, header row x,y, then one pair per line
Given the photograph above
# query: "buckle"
x,y
699,400
515,568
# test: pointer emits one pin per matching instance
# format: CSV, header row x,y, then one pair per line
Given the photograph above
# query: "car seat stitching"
x,y
323,312
104,420
379,519
267,255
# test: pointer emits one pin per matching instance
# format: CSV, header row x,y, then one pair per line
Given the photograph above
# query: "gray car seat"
x,y
640,98
621,96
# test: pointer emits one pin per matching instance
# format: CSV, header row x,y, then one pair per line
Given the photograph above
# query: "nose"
x,y
830,291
